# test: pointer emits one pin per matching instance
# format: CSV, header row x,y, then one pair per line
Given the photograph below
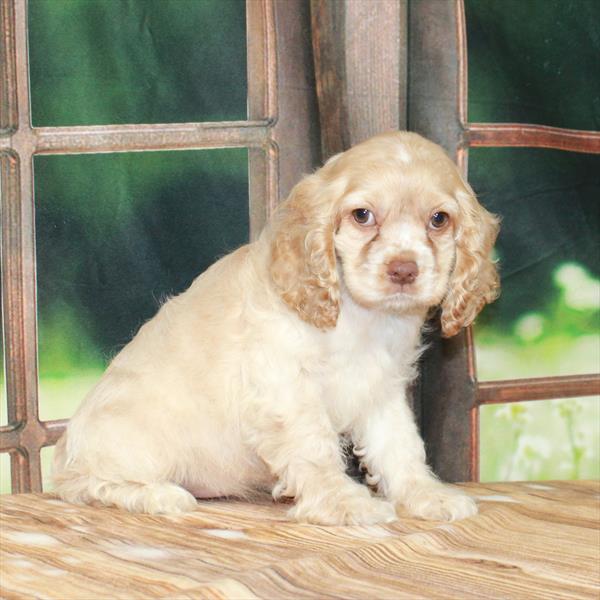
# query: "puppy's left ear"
x,y
474,281
303,265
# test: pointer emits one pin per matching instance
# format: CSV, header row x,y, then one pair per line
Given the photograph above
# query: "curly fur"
x,y
474,280
303,255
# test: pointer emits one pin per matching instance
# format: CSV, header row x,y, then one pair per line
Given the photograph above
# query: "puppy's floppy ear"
x,y
303,265
474,281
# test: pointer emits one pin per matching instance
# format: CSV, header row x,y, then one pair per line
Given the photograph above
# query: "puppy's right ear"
x,y
303,266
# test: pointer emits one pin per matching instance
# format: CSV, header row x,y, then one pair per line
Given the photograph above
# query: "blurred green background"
x,y
537,61
118,233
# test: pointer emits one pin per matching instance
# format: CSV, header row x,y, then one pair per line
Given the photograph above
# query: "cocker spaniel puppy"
x,y
248,380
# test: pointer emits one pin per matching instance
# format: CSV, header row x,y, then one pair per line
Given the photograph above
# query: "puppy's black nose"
x,y
402,272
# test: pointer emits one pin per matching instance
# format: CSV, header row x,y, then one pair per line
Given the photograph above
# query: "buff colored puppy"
x,y
248,380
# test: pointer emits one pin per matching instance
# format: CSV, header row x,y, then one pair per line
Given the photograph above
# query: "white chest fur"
x,y
369,355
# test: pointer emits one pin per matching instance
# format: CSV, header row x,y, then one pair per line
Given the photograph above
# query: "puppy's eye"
x,y
363,216
439,219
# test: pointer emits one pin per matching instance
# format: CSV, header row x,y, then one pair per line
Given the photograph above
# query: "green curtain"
x,y
118,233
538,61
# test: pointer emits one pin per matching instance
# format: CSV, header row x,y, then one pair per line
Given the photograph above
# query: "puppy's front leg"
x,y
298,443
393,450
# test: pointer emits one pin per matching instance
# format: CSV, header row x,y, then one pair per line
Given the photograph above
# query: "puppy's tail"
x,y
159,497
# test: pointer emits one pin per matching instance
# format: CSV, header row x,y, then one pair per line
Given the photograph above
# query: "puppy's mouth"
x,y
414,294
395,286
402,292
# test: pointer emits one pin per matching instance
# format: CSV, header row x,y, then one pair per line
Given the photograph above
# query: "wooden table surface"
x,y
530,540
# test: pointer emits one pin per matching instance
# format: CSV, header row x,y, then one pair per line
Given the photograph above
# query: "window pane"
x,y
3,407
115,235
534,61
553,439
152,61
5,486
46,458
3,411
546,319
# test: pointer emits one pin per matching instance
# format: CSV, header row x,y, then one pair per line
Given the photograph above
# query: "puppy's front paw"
x,y
440,503
351,509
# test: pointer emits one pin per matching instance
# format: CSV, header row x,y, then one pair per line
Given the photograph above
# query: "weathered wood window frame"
x,y
280,150
439,29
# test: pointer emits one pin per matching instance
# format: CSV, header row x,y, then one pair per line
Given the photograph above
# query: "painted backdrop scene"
x,y
116,234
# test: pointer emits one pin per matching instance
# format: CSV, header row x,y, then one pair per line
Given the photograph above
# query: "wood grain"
x,y
514,135
360,51
538,388
529,541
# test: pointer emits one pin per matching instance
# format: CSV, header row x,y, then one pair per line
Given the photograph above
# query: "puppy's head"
x,y
393,222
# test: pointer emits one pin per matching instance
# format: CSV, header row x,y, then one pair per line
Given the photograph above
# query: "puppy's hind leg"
x,y
155,498
75,482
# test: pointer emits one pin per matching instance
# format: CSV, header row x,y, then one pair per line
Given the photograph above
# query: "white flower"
x,y
530,327
515,413
532,447
581,291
